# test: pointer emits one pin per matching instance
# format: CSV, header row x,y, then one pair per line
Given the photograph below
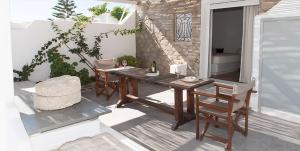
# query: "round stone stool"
x,y
57,93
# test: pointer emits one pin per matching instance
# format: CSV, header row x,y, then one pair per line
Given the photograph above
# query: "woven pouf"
x,y
57,93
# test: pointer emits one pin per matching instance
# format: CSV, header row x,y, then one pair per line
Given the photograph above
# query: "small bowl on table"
x,y
190,79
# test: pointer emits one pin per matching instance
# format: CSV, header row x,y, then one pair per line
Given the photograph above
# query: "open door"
x,y
226,43
207,7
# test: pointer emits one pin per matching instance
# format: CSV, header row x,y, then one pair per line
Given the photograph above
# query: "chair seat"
x,y
113,78
228,106
223,104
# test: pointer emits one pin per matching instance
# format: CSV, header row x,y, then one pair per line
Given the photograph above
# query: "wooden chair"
x,y
223,110
104,79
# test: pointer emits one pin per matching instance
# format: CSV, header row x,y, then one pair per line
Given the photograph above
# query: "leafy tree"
x,y
99,9
59,67
64,9
118,11
59,64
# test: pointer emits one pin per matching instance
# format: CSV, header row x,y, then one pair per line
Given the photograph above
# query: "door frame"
x,y
207,7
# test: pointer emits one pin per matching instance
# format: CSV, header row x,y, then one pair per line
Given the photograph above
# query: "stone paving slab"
x,y
41,121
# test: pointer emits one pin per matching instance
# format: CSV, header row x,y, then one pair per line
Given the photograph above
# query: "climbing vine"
x,y
59,64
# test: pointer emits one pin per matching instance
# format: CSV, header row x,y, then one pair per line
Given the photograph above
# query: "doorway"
x,y
250,10
226,43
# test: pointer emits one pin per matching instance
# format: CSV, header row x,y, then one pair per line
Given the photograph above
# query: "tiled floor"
x,y
151,127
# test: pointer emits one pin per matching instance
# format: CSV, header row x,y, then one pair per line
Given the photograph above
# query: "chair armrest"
x,y
220,96
204,93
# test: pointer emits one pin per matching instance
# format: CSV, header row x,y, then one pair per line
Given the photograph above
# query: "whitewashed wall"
x,y
276,61
12,133
27,41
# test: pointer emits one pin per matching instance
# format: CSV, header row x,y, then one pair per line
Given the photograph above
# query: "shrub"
x,y
60,67
82,20
99,9
117,12
49,51
131,61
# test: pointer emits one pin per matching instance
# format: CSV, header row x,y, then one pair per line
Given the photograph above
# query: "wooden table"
x,y
133,75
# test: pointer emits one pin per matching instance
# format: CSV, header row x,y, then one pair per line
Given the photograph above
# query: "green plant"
x,y
59,65
119,12
99,9
82,20
64,9
131,60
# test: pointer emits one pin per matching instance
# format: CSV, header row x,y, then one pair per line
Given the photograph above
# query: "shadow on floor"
x,y
152,129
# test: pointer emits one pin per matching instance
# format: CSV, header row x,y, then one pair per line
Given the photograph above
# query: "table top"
x,y
167,80
109,69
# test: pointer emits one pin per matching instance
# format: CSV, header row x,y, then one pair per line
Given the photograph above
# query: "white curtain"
x,y
247,46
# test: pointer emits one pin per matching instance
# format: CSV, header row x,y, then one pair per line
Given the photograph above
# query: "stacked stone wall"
x,y
157,40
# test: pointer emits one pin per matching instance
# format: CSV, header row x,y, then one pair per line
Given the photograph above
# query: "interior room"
x,y
227,33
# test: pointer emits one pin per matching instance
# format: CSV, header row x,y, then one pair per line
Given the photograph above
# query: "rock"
x,y
58,86
57,93
56,102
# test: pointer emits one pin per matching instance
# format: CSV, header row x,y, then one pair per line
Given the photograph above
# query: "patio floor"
x,y
150,127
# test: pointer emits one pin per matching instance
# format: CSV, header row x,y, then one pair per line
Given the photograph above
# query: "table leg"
x,y
178,108
106,86
134,87
97,83
190,102
122,92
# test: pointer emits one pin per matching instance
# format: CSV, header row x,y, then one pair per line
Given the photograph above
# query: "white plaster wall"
x,y
227,29
275,39
27,41
276,52
215,4
12,133
254,103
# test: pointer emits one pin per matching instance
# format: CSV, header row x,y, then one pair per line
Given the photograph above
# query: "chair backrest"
x,y
242,93
105,64
242,88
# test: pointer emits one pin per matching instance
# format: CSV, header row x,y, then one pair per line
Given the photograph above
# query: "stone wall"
x,y
265,5
157,40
